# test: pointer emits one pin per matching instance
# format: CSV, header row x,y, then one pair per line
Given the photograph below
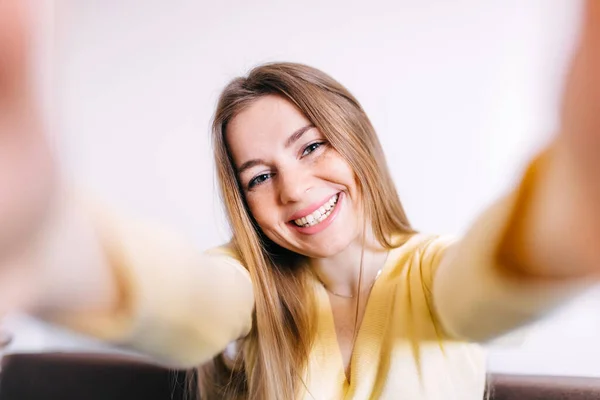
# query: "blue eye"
x,y
311,147
258,180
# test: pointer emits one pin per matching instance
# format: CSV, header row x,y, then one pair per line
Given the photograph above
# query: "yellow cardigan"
x,y
401,351
419,331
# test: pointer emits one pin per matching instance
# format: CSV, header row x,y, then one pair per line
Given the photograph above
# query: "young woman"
x,y
325,291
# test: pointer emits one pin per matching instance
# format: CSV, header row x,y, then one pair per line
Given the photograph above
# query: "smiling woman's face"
x,y
300,190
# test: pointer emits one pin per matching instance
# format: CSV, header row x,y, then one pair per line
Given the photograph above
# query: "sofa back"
x,y
76,376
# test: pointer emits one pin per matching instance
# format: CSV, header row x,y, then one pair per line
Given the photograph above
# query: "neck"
x,y
340,273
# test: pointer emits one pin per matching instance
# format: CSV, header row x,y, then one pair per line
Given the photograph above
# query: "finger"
x,y
581,101
14,48
591,25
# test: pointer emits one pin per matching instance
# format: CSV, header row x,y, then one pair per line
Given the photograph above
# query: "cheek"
x,y
262,209
341,172
338,170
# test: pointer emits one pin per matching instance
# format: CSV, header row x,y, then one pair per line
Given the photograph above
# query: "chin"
x,y
327,244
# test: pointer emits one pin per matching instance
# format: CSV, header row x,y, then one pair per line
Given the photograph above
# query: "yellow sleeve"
x,y
178,305
479,292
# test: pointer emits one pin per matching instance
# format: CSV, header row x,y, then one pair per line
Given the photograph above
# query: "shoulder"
x,y
228,254
418,256
422,245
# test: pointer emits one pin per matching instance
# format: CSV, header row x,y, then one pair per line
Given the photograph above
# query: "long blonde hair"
x,y
271,360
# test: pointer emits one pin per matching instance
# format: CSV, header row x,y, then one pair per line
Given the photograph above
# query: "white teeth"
x,y
318,215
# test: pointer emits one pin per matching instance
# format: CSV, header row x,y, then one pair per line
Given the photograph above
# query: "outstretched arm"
x,y
79,264
540,245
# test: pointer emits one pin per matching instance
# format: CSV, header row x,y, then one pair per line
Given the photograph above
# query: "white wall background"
x,y
460,92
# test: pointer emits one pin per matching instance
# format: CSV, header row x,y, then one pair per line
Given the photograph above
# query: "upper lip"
x,y
310,209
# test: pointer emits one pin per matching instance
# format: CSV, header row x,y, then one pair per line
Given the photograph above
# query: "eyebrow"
x,y
297,135
294,137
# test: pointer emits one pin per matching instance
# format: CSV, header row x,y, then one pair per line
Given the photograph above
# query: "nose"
x,y
293,184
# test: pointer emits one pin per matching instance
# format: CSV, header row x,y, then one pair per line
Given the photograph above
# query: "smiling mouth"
x,y
319,215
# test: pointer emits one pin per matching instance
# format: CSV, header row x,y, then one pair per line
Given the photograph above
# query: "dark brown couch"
x,y
74,376
520,387
105,377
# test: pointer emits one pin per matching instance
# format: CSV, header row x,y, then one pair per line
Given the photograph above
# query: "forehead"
x,y
269,120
